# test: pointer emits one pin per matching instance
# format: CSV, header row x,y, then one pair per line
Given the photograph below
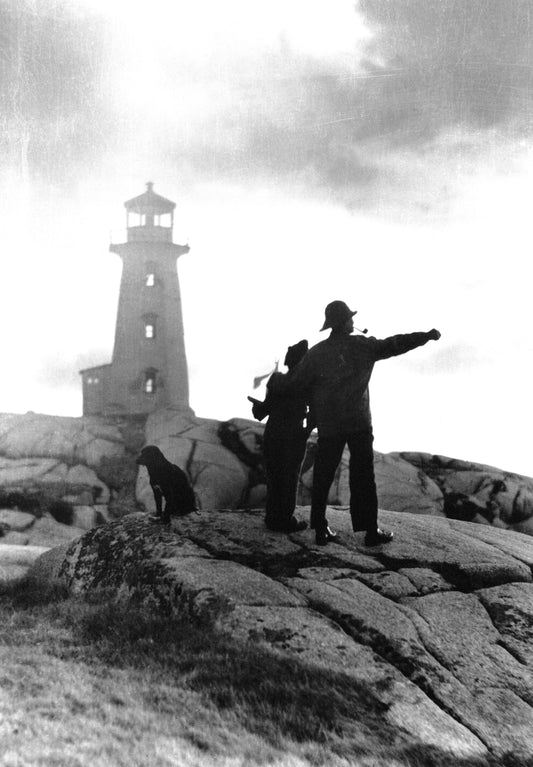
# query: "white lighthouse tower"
x,y
149,365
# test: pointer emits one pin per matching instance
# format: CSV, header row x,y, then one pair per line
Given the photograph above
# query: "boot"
x,y
377,536
325,536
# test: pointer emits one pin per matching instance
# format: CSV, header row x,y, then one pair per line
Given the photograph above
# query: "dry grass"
x,y
91,682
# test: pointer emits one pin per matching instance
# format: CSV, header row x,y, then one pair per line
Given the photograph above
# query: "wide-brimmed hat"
x,y
295,353
337,313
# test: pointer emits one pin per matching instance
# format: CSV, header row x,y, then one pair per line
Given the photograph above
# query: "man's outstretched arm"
x,y
400,344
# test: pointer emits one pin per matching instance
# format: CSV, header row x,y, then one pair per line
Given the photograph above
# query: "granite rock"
x,y
474,491
91,461
15,561
69,440
47,532
16,521
219,478
436,624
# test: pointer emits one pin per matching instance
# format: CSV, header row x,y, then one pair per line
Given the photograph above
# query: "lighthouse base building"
x,y
148,370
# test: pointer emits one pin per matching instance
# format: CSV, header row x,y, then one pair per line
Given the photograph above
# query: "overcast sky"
x,y
377,152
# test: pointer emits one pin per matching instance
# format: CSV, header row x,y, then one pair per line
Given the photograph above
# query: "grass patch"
x,y
276,695
30,592
128,686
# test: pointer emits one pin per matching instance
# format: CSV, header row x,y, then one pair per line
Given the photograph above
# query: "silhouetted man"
x,y
336,372
284,443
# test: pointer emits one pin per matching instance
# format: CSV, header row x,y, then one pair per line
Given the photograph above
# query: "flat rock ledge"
x,y
437,626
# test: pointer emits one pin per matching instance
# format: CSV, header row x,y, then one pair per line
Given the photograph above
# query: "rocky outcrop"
x,y
401,485
218,458
20,528
224,462
52,478
478,493
437,624
15,561
82,471
50,460
70,440
64,474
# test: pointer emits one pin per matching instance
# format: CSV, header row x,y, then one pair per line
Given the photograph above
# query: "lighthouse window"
x,y
165,220
149,330
149,382
149,274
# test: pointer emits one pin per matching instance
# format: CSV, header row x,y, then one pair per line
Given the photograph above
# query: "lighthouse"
x,y
149,365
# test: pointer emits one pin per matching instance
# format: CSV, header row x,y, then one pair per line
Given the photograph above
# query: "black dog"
x,y
168,481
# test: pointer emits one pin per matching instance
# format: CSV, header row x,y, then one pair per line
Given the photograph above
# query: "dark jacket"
x,y
286,410
337,373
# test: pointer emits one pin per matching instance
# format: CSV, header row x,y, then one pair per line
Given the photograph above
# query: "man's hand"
x,y
434,335
259,409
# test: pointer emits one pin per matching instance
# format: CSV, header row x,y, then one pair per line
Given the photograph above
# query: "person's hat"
x,y
337,313
295,353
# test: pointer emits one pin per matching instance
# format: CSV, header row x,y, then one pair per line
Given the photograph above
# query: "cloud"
x,y
453,63
452,359
393,118
435,87
54,117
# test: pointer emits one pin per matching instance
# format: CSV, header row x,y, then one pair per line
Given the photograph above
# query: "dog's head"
x,y
150,456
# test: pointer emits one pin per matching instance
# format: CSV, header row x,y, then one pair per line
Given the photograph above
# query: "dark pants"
x,y
363,494
283,457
